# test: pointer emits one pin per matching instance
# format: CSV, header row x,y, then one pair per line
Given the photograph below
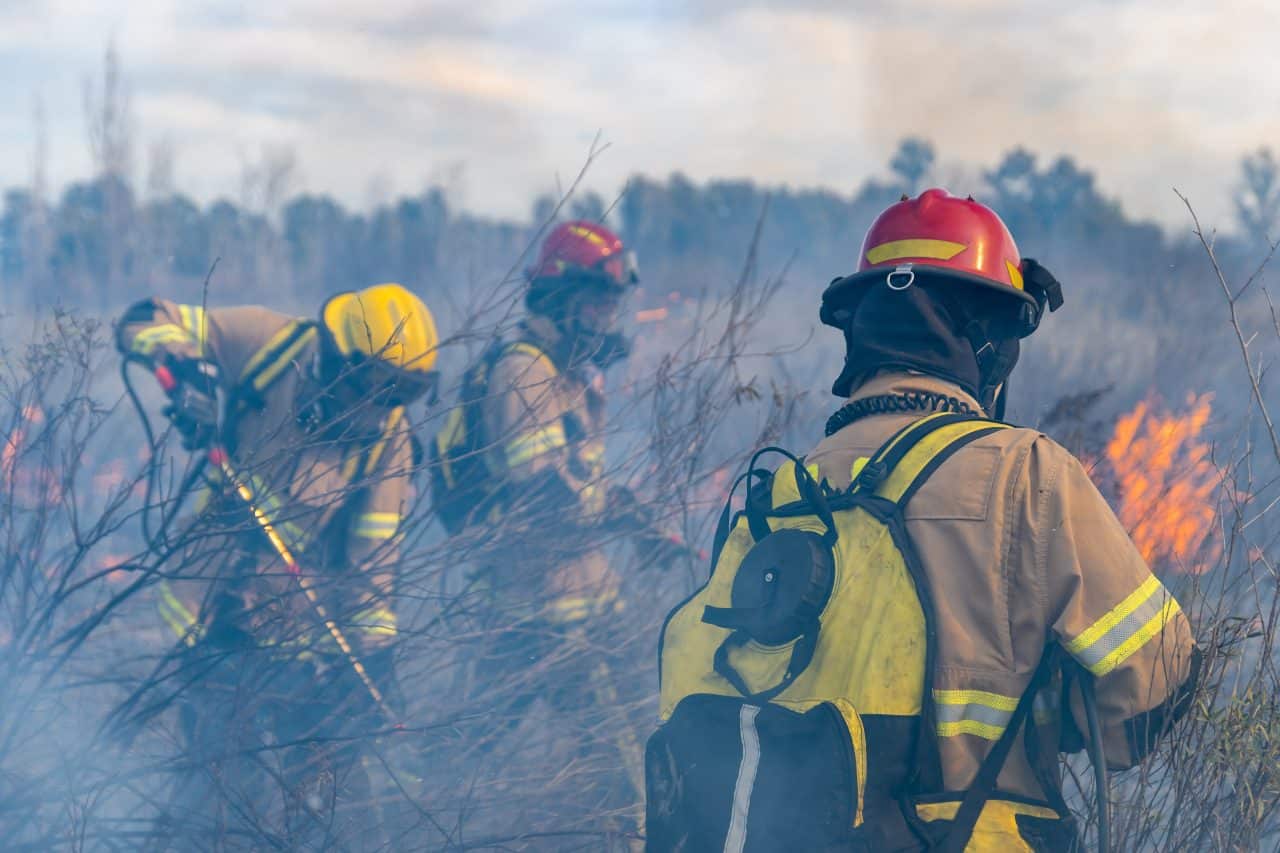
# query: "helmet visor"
x,y
621,268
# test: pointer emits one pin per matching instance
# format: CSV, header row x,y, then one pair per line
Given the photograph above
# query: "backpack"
x,y
773,692
464,486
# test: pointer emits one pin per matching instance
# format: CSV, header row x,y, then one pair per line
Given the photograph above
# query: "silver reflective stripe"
x,y
736,838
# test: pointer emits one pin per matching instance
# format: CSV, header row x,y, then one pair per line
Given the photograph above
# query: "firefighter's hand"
x,y
193,401
658,551
625,512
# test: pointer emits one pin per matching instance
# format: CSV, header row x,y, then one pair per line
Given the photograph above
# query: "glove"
x,y
625,512
653,546
659,550
193,401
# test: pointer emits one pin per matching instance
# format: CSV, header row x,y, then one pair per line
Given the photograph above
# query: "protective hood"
x,y
909,329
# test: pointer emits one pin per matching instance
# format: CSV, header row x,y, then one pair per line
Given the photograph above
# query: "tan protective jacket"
x,y
336,493
544,423
1019,549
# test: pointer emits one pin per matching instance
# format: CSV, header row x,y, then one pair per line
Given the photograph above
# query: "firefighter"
x,y
281,589
905,627
519,476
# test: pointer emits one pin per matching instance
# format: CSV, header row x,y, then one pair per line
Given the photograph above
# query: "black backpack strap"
x,y
476,387
360,465
881,463
889,509
984,783
263,368
943,455
269,362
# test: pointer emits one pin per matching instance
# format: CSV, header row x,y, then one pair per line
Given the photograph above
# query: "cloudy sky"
x,y
502,98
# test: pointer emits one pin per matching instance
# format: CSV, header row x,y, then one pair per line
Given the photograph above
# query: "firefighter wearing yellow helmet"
x,y
314,454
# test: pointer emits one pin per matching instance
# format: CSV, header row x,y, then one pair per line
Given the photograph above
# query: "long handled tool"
x,y
218,456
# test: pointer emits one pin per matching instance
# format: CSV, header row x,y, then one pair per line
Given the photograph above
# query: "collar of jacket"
x,y
543,333
901,382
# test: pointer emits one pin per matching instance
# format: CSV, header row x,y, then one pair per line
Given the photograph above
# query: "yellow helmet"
x,y
385,322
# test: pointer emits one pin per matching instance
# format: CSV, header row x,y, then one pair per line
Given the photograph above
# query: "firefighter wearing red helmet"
x,y
520,471
902,632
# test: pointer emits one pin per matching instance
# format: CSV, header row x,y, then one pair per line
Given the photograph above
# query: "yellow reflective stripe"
x,y
377,525
970,727
145,342
180,619
1125,628
942,250
1114,616
266,373
453,436
269,374
534,353
393,420
534,444
575,608
196,323
1139,639
976,697
265,350
377,621
974,712
349,466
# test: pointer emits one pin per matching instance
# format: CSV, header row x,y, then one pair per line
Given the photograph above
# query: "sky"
x,y
501,99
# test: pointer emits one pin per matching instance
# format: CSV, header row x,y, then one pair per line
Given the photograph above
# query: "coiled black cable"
x,y
909,401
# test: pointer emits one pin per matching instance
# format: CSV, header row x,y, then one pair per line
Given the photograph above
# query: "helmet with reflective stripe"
x,y
940,239
384,322
587,251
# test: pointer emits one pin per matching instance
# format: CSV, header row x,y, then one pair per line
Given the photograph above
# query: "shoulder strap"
x,y
264,367
527,348
883,461
475,387
984,783
951,437
884,492
362,464
271,359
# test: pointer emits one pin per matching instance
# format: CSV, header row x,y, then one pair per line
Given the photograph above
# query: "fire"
x,y
651,315
1166,483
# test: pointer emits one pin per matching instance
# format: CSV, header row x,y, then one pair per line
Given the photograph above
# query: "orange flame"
x,y
1166,482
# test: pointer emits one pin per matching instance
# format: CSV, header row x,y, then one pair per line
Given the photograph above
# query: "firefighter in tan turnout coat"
x,y
890,652
293,552
519,474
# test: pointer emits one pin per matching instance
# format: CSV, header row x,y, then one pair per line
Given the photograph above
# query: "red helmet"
x,y
588,250
937,237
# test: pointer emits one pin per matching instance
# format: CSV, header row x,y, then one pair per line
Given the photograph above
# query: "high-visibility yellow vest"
x,y
809,649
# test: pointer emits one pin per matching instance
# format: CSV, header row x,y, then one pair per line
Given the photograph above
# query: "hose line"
x,y
1097,757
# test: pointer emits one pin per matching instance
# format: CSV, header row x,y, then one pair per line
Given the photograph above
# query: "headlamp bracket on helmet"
x,y
1046,290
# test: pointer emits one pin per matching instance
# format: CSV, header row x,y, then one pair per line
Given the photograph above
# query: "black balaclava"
x,y
931,328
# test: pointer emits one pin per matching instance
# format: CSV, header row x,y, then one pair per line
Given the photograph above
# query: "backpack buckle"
x,y
872,475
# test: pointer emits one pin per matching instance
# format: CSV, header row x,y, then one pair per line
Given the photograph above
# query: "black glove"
x,y
660,551
653,546
193,402
625,513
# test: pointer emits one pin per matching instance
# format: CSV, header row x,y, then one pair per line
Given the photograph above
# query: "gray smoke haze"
x,y
809,94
